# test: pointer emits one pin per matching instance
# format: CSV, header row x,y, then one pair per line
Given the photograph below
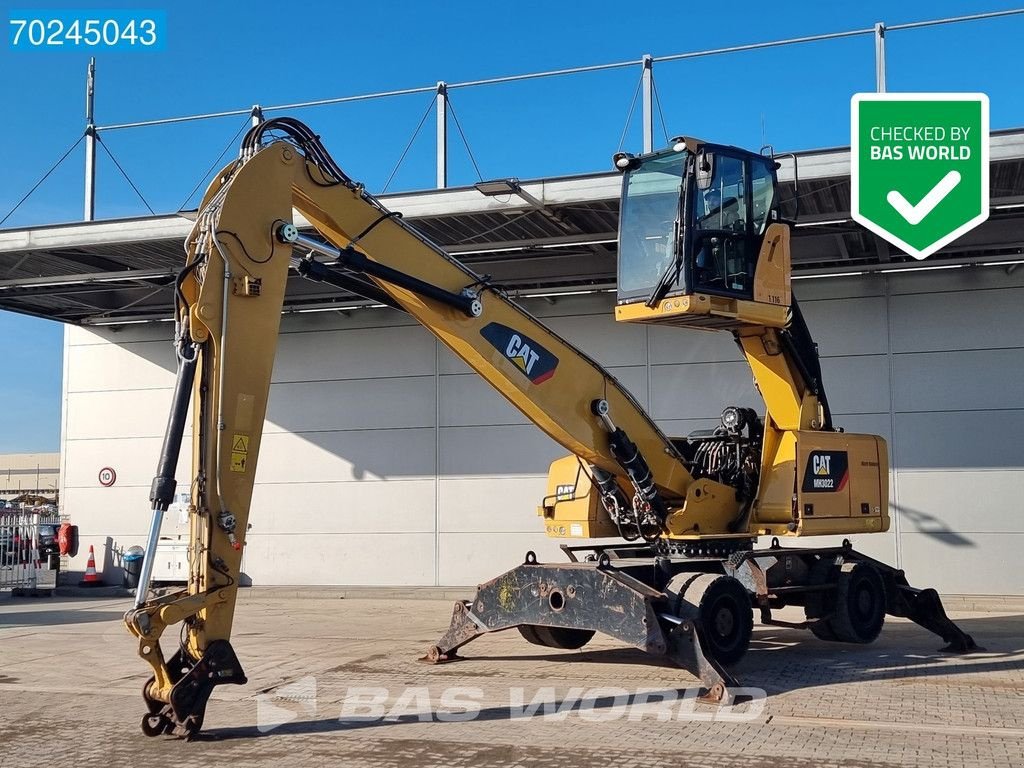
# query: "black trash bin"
x,y
133,566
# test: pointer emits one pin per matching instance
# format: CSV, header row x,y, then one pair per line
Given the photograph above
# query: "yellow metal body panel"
x,y
700,310
820,483
572,506
772,276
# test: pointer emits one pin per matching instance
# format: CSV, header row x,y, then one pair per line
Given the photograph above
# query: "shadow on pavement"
x,y
56,617
679,697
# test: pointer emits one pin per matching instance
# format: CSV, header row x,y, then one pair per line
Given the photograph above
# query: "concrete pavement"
x,y
336,682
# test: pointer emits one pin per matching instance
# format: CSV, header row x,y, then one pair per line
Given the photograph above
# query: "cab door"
x,y
728,220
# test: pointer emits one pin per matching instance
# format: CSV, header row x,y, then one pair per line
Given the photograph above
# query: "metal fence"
x,y
24,561
645,90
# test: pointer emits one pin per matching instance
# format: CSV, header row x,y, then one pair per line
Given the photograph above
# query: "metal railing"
x,y
645,64
23,564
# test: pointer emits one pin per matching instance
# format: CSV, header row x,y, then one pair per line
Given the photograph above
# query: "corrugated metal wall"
x,y
387,462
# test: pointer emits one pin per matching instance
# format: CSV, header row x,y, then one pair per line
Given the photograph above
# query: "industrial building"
x,y
29,474
387,462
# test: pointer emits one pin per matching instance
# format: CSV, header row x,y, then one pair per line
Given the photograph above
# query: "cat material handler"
x,y
701,245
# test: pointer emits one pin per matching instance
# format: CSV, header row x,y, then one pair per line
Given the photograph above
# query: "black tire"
x,y
860,604
154,725
823,631
725,616
566,638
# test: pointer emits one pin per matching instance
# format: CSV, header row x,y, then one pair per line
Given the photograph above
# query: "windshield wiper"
x,y
667,279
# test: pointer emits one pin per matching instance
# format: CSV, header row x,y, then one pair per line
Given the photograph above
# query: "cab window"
x,y
723,205
724,248
762,193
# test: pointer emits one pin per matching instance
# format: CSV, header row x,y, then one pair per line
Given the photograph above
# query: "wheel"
x,y
823,631
154,725
725,618
568,638
854,611
860,604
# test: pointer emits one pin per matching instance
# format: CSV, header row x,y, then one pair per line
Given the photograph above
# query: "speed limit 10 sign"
x,y
107,477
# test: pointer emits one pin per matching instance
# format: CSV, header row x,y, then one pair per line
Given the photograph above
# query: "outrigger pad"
x,y
587,596
924,607
686,651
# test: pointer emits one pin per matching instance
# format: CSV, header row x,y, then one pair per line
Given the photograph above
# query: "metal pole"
x,y
880,57
648,97
256,115
90,144
442,135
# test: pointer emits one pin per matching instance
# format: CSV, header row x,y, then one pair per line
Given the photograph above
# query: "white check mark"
x,y
916,213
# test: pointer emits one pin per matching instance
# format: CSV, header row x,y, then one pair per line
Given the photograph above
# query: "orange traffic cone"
x,y
92,579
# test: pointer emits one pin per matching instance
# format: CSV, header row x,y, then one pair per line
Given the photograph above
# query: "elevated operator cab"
x,y
701,242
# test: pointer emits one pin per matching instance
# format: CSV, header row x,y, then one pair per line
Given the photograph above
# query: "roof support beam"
x,y
91,278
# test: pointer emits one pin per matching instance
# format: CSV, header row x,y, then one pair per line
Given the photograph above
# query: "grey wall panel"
x,y
960,440
385,559
448,362
473,558
845,287
114,414
848,326
868,424
355,354
700,390
634,379
375,506
133,460
347,456
109,367
958,502
496,451
687,345
962,319
466,400
602,338
973,564
966,380
138,332
953,280
121,512
352,404
857,384
490,504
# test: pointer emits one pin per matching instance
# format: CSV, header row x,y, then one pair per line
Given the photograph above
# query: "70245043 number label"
x,y
76,30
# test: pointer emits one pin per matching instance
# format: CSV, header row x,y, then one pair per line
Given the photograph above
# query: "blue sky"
x,y
219,57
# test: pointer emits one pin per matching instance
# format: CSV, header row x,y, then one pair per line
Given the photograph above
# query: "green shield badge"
x,y
919,167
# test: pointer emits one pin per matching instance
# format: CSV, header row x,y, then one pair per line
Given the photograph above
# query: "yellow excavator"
x,y
702,244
